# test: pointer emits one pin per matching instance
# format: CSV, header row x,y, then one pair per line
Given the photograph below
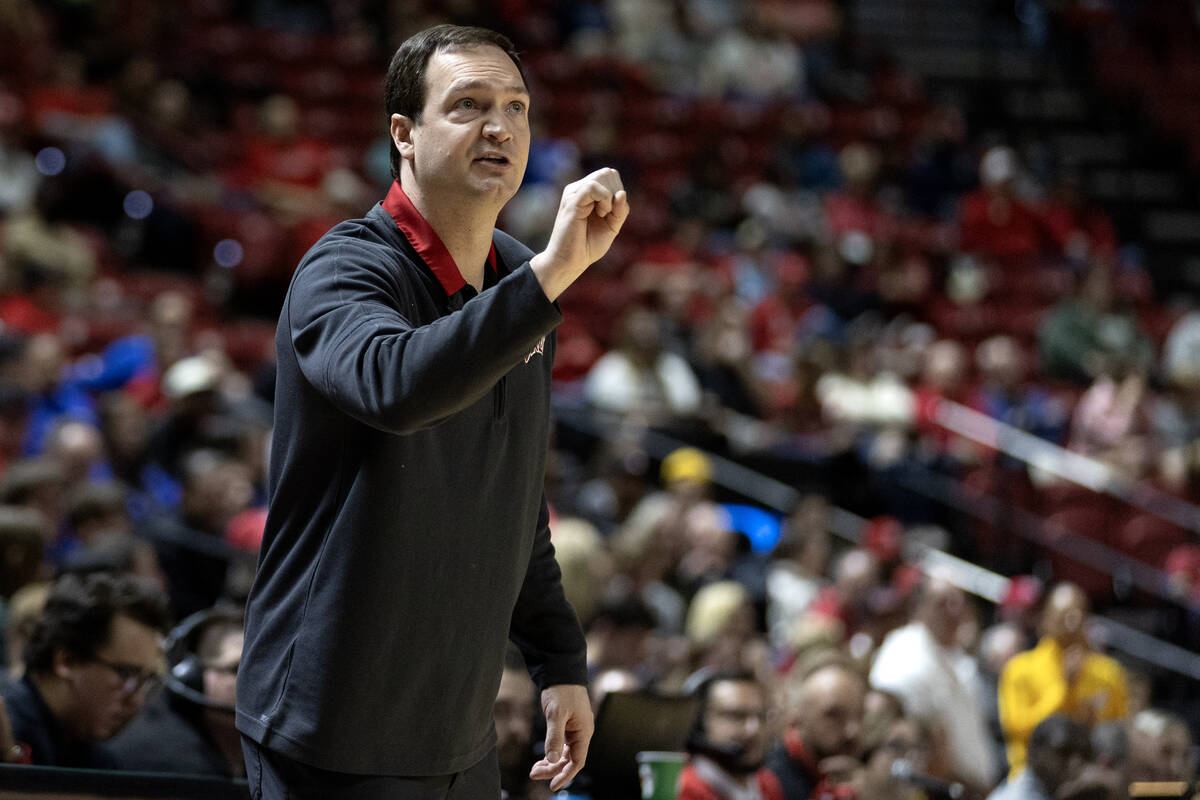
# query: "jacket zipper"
x,y
500,392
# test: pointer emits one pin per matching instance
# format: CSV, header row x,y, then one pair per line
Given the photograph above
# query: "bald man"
x,y
1061,675
825,713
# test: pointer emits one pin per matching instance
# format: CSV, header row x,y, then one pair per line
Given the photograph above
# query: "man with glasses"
x,y
189,728
90,664
729,743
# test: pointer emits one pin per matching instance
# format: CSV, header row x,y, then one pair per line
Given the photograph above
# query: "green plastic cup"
x,y
659,774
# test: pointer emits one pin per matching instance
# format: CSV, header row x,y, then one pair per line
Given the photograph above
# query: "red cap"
x,y
883,536
1023,593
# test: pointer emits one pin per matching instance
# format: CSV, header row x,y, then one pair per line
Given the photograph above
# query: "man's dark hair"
x,y
625,611
1052,741
23,536
79,614
404,88
92,500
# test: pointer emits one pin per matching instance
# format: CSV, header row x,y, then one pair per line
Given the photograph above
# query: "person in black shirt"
x,y
189,728
90,665
407,536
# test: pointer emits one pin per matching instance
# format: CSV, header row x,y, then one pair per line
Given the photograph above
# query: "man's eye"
x,y
466,102
518,106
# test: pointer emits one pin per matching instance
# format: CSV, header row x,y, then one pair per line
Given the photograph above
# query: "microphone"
x,y
902,769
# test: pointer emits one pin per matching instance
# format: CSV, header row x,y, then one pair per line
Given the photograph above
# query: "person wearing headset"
x,y
90,664
189,728
728,743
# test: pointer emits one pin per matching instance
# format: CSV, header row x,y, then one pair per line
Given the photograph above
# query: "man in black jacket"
x,y
408,536
91,662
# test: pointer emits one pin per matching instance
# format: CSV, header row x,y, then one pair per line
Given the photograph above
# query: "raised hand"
x,y
590,216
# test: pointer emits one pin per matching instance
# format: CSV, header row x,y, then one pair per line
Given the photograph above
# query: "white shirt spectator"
x,y
615,383
936,686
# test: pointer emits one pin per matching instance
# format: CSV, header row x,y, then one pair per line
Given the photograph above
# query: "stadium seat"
x,y
1067,533
1150,539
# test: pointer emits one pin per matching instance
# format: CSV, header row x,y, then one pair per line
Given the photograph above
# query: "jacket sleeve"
x,y
346,318
544,626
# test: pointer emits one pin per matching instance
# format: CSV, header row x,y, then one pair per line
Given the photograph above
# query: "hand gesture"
x,y
568,713
590,215
1073,659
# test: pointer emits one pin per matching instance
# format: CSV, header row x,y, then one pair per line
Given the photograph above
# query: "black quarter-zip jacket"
x,y
407,536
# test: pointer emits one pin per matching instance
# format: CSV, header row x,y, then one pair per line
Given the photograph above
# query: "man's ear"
x,y
62,663
402,128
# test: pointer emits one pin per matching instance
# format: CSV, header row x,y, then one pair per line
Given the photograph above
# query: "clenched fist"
x,y
590,215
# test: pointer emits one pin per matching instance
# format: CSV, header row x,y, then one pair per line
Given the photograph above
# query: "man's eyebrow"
x,y
465,85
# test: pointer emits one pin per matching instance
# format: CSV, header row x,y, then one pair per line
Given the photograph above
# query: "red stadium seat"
x,y
1072,529
1150,539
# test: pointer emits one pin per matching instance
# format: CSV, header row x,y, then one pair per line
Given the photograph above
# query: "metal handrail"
x,y
977,580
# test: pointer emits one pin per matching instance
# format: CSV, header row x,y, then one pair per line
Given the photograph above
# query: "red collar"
x,y
798,752
425,240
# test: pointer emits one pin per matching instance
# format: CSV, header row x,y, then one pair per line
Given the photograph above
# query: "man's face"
x,y
110,689
1066,615
1058,763
943,609
220,670
735,718
1176,752
830,715
473,138
514,718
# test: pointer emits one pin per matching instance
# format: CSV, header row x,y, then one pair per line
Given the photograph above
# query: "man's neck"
x,y
465,228
54,694
726,783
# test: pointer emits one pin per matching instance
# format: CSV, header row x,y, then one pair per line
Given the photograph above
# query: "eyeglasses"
x,y
133,678
738,716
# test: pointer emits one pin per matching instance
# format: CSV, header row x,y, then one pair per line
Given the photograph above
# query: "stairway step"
x,y
1137,186
970,63
1172,226
1092,147
1050,104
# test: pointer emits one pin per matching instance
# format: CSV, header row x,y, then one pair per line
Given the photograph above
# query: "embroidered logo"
x,y
537,350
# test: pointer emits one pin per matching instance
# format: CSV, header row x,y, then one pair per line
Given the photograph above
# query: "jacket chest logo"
x,y
537,350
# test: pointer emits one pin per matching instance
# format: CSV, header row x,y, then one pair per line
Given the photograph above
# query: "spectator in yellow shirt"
x,y
1062,675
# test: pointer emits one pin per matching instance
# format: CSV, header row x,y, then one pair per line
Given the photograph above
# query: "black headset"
x,y
185,673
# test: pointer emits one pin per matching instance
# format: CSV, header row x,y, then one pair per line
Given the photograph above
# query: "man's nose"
x,y
495,127
754,724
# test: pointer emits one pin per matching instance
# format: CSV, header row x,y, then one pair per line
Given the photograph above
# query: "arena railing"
x,y
19,782
979,581
1077,468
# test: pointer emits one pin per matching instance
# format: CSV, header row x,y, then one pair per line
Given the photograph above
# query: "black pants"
x,y
275,777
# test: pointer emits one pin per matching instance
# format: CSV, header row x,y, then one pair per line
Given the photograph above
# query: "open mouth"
x,y
497,160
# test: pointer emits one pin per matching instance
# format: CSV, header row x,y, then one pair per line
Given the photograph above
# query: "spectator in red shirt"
x,y
995,221
821,744
855,207
728,743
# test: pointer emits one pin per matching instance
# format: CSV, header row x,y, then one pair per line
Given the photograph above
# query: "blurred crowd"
x,y
821,259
